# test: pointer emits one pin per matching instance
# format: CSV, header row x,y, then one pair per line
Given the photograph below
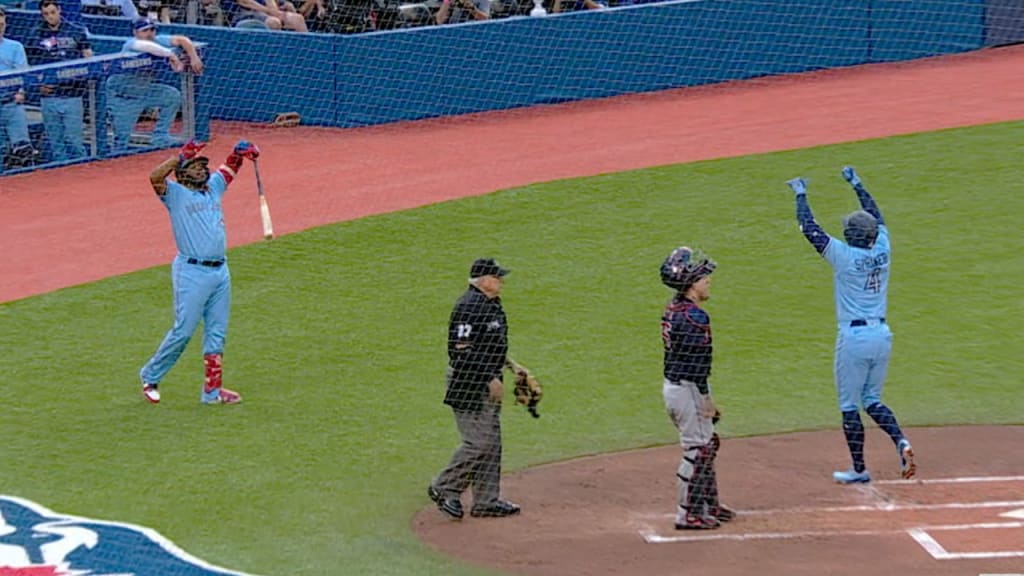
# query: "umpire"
x,y
477,352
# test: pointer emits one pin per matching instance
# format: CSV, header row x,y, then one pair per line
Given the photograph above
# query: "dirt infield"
x,y
613,514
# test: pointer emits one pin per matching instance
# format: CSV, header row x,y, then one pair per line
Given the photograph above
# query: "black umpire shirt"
x,y
686,331
477,346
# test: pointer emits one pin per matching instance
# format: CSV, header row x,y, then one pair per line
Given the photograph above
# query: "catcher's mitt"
x,y
527,390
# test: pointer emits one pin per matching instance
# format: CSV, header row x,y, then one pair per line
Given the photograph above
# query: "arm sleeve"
x,y
20,60
809,226
868,203
129,10
83,40
461,334
217,184
148,47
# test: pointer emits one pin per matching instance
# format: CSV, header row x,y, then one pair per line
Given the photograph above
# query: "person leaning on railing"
x,y
131,93
13,122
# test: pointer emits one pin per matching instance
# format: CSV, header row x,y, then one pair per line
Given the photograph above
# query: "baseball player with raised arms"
x,y
199,273
686,337
864,343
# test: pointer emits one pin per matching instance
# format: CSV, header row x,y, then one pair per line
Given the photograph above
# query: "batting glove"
x,y
851,176
190,150
247,149
799,186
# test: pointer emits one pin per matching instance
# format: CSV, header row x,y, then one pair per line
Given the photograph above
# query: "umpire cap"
x,y
860,229
487,267
684,267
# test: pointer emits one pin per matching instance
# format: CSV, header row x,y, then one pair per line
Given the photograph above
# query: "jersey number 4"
x,y
874,282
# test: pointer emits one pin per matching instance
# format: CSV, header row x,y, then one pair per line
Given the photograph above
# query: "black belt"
x,y
210,263
865,322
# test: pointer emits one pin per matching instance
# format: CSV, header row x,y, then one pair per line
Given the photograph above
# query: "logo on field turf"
x,y
35,541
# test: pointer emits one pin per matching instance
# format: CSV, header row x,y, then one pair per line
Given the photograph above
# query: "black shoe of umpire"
x,y
497,509
450,507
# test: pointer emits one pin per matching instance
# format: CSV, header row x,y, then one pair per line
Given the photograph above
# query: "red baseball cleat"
x,y
224,396
151,393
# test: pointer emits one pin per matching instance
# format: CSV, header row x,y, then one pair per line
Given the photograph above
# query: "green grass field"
x,y
338,334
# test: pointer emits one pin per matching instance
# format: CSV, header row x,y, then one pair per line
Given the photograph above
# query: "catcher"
x,y
686,334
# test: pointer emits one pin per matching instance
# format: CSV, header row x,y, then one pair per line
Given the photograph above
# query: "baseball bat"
x,y
268,226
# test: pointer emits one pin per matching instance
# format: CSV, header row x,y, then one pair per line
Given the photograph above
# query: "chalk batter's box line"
x,y
652,537
954,480
885,507
938,552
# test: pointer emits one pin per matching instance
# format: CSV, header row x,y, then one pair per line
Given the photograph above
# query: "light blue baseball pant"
x,y
13,127
200,293
126,108
861,364
62,120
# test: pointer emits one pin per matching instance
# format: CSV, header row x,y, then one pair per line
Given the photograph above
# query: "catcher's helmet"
x,y
684,266
860,229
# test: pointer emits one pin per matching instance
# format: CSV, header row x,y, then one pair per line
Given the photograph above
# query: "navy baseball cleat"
x,y
851,477
698,522
721,513
907,467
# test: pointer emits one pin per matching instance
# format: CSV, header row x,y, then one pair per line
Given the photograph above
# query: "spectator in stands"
x,y
57,40
119,8
456,11
13,122
131,93
268,12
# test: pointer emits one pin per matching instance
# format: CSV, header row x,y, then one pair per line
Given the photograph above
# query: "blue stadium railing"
x,y
195,116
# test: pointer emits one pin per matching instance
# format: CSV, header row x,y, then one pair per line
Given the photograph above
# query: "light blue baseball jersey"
x,y
861,278
197,219
12,55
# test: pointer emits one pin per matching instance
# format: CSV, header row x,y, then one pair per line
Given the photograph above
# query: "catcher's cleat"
x,y
221,396
695,522
721,513
151,393
907,467
450,507
498,509
851,477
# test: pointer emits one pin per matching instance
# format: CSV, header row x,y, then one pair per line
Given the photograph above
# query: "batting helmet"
x,y
860,229
184,164
684,266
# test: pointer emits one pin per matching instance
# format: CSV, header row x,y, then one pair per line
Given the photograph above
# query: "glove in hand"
x,y
851,176
528,391
799,186
247,149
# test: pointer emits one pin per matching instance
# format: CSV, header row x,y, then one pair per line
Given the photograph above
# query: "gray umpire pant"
x,y
684,404
477,461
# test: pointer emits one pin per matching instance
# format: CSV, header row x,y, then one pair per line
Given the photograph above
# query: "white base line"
x,y
931,545
653,537
960,480
880,507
